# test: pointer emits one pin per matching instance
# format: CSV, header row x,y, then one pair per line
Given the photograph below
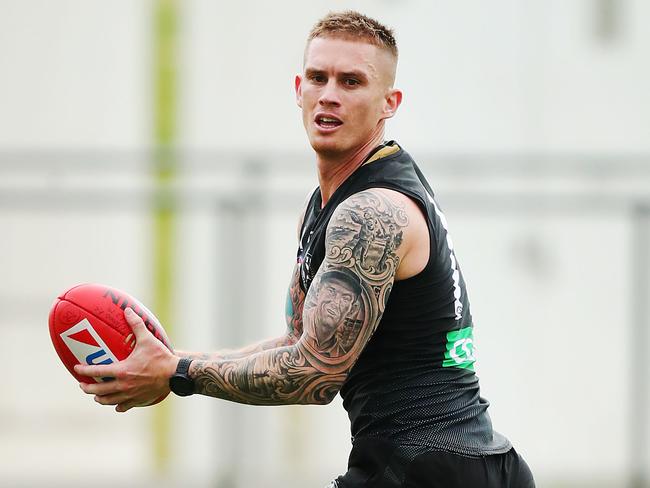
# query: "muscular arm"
x,y
263,345
341,311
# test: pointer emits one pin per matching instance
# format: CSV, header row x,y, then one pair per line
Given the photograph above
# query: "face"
x,y
336,300
346,94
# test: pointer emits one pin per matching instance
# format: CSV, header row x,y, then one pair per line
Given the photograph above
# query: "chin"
x,y
326,147
328,323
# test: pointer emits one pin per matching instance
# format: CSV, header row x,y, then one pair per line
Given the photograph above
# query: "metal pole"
x,y
639,421
242,265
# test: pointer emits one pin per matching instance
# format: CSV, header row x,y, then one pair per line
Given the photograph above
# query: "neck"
x,y
333,170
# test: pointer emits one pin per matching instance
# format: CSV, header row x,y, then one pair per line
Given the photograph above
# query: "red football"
x,y
87,326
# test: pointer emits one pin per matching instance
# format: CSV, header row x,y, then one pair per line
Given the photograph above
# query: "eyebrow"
x,y
355,74
347,74
313,71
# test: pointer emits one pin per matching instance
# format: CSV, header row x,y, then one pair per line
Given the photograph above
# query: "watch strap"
x,y
180,382
183,367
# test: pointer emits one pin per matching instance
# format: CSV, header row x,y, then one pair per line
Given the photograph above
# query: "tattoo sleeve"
x,y
242,352
334,322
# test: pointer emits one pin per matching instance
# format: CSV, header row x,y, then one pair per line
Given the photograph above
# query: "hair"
x,y
346,278
351,24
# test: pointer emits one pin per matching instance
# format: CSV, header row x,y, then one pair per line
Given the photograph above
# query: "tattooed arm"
x,y
340,313
372,238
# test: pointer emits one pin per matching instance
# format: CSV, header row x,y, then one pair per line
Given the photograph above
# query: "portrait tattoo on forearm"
x,y
333,322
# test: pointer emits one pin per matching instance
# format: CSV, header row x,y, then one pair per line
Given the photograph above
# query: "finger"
x,y
136,324
113,399
106,388
124,407
97,371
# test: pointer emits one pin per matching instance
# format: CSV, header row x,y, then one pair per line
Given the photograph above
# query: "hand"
x,y
140,379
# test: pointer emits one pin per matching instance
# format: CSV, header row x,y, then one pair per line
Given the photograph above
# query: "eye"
x,y
351,81
318,78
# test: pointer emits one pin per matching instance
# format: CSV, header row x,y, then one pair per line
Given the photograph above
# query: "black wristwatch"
x,y
181,383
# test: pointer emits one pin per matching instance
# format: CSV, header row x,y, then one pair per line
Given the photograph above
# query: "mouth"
x,y
331,312
327,122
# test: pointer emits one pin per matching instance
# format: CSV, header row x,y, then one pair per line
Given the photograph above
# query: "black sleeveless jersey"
x,y
414,383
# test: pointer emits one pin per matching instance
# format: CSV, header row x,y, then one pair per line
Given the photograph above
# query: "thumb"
x,y
135,322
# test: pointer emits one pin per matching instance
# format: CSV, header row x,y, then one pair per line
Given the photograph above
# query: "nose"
x,y
329,95
334,303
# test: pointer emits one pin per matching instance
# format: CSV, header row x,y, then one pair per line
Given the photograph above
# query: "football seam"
x,y
70,289
95,315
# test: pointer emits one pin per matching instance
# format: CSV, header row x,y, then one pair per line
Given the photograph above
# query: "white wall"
x,y
478,76
550,289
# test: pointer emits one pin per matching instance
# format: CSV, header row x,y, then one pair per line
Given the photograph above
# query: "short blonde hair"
x,y
351,24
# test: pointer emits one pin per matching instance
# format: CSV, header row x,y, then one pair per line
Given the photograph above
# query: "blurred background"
x,y
156,146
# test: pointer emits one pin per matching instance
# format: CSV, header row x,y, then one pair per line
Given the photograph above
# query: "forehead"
x,y
343,54
339,284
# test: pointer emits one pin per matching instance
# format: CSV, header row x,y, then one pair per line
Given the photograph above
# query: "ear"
x,y
298,86
391,103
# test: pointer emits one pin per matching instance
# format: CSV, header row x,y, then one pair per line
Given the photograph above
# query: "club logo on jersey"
x,y
87,346
460,349
304,260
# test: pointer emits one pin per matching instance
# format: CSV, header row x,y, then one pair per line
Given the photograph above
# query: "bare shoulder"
x,y
388,222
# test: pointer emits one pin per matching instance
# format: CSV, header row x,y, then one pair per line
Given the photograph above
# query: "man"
x,y
365,237
377,307
333,315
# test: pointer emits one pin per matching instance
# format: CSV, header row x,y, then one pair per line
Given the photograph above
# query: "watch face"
x,y
181,385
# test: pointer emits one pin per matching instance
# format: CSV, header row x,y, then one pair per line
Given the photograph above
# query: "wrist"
x,y
171,366
180,381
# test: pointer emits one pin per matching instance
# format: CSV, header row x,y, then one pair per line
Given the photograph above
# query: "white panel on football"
x,y
87,353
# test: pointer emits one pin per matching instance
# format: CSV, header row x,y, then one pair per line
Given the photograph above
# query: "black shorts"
x,y
377,464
